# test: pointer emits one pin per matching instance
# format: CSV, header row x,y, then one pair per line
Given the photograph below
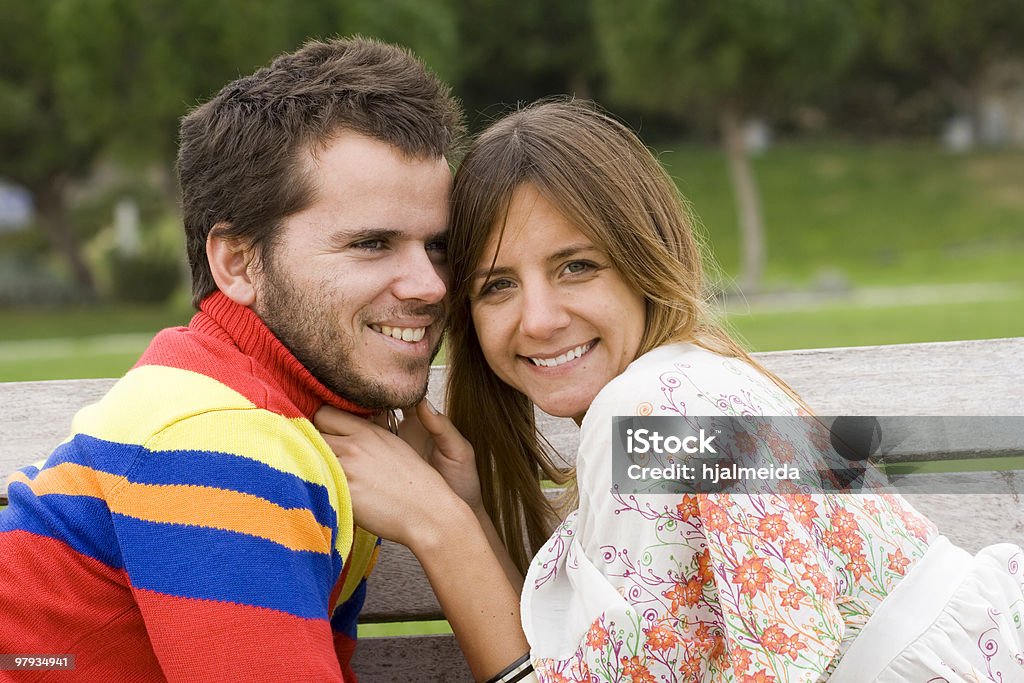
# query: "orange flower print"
x,y
803,508
741,661
597,636
688,508
685,594
745,443
773,638
773,526
661,637
792,596
782,451
715,518
846,542
704,572
871,507
898,562
752,576
843,520
858,566
795,551
761,676
821,584
637,670
691,669
545,669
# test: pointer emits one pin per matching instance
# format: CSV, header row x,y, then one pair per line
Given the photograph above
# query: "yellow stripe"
x,y
202,506
164,408
360,561
288,445
149,398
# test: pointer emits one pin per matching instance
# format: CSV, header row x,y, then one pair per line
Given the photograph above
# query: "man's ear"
x,y
231,262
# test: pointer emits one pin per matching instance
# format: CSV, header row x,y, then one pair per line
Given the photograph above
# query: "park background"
x,y
856,166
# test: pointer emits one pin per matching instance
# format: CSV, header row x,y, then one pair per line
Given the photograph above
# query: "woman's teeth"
x,y
409,334
564,358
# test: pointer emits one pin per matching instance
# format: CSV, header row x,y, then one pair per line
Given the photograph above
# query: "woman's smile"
x,y
555,319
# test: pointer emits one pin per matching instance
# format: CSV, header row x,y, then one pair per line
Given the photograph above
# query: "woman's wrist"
x,y
439,524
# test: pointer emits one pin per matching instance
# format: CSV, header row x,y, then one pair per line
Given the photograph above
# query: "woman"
x,y
577,287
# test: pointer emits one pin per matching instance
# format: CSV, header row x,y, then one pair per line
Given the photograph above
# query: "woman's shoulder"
x,y
687,379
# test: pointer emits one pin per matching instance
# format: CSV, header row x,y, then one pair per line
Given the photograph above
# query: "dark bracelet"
x,y
518,670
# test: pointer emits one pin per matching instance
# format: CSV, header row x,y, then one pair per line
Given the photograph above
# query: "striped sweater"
x,y
194,526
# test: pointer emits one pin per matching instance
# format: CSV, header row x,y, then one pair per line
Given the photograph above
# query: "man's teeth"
x,y
409,334
564,358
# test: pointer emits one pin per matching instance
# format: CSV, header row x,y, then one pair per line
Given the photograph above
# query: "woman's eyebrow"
x,y
488,272
572,250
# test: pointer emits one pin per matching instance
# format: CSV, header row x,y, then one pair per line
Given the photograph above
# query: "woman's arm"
x,y
398,496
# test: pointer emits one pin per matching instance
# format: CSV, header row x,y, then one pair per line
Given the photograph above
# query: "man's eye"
x,y
369,245
438,245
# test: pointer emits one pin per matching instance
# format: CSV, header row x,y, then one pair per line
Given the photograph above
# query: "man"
x,y
195,526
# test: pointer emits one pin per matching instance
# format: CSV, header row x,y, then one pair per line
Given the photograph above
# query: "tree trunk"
x,y
748,201
55,223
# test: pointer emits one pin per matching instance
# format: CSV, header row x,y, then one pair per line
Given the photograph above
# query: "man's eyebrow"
x,y
347,236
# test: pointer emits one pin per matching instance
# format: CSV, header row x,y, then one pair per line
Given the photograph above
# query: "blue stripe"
x,y
347,614
213,564
81,522
98,454
236,473
200,468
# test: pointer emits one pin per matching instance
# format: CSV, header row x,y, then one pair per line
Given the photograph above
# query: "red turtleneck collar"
x,y
223,319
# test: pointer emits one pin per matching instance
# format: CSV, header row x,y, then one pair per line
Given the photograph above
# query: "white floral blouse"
x,y
767,588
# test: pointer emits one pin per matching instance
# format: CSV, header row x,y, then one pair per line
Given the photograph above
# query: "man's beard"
x,y
304,320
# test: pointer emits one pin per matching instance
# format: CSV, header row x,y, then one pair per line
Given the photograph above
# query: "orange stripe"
x,y
296,528
204,506
69,479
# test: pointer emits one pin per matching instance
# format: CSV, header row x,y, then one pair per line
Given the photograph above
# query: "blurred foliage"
x,y
86,84
149,277
695,58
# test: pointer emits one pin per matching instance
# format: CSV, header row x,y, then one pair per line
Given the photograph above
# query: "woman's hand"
x,y
395,493
434,436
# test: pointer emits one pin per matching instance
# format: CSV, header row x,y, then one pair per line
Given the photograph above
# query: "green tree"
x,y
518,52
946,46
80,79
43,147
723,62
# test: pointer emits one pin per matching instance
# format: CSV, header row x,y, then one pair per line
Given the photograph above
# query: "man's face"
x,y
355,284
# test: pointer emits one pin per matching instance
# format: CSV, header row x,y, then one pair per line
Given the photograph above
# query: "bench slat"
x,y
424,659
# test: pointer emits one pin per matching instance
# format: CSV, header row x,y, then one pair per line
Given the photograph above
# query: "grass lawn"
x,y
883,214
878,214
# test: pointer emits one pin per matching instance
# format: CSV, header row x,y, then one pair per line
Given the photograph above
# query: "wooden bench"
x,y
946,379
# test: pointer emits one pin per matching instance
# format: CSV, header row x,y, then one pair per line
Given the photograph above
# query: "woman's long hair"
x,y
608,185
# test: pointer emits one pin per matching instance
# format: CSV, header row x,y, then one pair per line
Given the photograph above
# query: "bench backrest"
x,y
945,379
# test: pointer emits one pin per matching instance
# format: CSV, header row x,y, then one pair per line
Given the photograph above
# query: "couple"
x,y
196,525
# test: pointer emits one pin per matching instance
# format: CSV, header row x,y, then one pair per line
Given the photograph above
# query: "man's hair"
x,y
242,155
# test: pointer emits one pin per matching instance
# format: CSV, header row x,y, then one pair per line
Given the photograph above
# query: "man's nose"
x,y
421,279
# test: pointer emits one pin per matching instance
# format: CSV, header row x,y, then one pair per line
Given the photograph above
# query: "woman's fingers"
x,y
330,420
447,438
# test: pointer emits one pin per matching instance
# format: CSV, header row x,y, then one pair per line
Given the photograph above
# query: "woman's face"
x,y
555,320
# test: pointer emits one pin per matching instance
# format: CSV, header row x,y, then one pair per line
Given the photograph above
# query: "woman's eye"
x,y
577,267
495,286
